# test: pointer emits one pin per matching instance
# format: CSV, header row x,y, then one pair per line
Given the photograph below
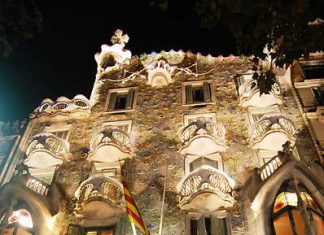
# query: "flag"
x,y
133,213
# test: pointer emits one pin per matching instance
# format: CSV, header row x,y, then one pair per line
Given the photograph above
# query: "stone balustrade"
x,y
37,185
272,165
250,95
274,128
204,136
100,193
205,188
47,144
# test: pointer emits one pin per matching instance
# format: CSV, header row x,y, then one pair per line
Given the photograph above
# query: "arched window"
x,y
294,214
19,222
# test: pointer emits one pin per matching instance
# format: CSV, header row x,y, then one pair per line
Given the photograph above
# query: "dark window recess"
x,y
208,226
319,95
198,93
193,227
120,101
203,161
313,71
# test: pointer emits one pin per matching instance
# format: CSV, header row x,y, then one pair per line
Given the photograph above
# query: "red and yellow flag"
x,y
133,213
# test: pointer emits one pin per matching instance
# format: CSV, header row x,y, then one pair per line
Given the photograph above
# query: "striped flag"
x,y
133,213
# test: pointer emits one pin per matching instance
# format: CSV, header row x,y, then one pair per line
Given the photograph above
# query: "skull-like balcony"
x,y
206,190
250,95
110,146
45,152
271,132
100,198
203,138
159,73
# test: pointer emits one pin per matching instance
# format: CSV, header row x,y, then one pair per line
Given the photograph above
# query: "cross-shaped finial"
x,y
119,38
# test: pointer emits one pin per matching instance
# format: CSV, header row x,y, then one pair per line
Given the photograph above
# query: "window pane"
x,y
193,227
91,233
107,232
121,101
198,94
282,225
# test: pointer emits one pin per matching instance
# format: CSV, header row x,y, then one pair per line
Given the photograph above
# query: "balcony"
x,y
206,190
203,138
46,151
271,132
100,198
37,186
109,146
250,95
272,165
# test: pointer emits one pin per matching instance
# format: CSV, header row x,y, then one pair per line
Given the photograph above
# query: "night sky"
x,y
60,60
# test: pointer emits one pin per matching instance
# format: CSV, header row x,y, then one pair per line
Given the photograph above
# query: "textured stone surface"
x,y
156,123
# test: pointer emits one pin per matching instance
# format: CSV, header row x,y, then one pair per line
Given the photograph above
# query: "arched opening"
x,y
17,221
295,212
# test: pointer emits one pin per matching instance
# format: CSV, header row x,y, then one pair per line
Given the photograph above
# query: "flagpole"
x,y
163,198
133,228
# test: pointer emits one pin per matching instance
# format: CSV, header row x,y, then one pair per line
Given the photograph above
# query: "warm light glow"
x,y
50,222
21,216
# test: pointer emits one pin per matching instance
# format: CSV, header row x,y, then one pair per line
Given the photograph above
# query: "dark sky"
x,y
60,60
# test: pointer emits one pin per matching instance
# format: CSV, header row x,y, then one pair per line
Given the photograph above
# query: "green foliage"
x,y
19,20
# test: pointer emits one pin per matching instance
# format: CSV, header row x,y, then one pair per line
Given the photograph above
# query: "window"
x,y
208,226
319,95
77,229
203,161
99,231
289,215
121,100
192,162
123,125
196,93
255,114
313,71
19,223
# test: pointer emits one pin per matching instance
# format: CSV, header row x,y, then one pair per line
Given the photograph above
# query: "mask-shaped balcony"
x,y
203,138
250,95
271,132
110,145
100,198
206,190
159,73
46,151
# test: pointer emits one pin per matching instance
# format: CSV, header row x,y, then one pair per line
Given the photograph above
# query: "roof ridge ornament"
x,y
119,38
113,56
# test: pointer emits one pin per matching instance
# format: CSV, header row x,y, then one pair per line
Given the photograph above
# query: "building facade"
x,y
202,151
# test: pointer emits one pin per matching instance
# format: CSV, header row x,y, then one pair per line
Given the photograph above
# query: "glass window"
x,y
203,161
313,71
289,213
121,100
198,93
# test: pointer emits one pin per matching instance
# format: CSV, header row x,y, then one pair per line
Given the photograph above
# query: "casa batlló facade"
x,y
202,151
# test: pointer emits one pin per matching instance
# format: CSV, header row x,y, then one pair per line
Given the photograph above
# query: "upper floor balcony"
x,y
63,108
202,137
250,95
271,132
46,150
206,190
109,146
100,198
270,167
